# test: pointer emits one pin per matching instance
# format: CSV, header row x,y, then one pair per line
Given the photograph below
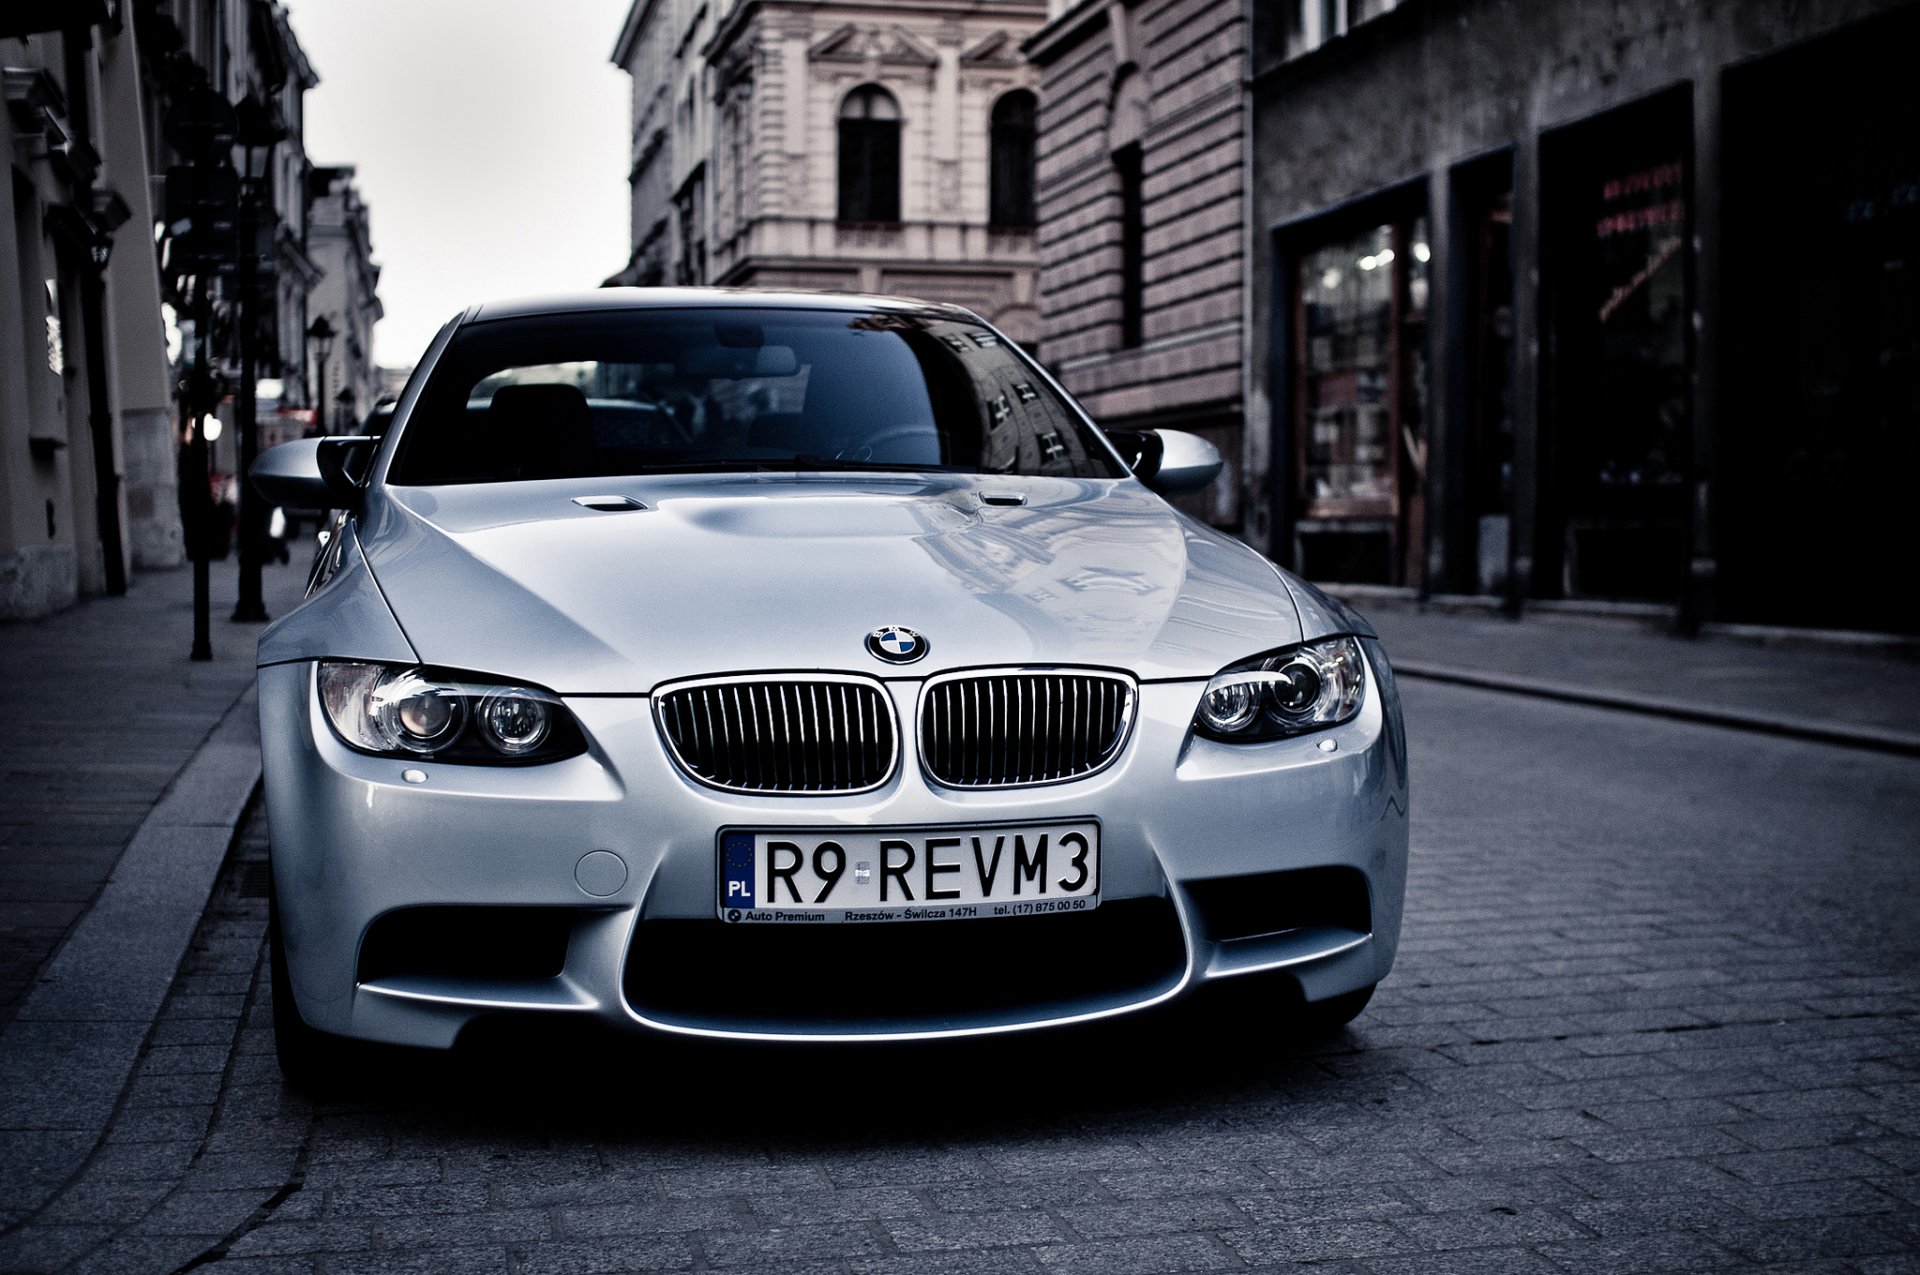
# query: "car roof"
x,y
605,299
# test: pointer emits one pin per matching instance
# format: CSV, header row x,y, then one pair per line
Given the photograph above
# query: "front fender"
x,y
347,618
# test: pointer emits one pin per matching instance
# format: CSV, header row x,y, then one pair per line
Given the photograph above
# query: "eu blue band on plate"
x,y
736,861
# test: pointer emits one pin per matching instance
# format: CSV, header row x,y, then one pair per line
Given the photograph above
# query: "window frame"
x,y
867,186
1012,202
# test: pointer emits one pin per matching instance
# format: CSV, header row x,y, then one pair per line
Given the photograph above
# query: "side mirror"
x,y
1170,461
312,473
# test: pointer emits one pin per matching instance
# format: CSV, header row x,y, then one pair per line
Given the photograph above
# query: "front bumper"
x,y
1217,860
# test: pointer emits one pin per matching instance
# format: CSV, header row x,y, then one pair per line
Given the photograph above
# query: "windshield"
x,y
690,390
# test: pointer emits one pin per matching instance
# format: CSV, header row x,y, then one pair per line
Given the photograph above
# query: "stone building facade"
x,y
247,53
340,239
1141,187
85,465
852,147
105,312
1572,301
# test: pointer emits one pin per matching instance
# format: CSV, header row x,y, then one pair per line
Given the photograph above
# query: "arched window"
x,y
1126,124
869,156
1011,170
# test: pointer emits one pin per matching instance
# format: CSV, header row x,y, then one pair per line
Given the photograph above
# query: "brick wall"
x,y
1186,370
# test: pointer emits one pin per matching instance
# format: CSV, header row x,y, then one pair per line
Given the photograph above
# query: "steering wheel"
x,y
864,449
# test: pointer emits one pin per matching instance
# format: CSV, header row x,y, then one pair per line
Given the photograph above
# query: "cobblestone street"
x,y
1655,1010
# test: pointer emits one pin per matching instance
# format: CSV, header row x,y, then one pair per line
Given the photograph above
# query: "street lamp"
x,y
321,333
201,195
259,132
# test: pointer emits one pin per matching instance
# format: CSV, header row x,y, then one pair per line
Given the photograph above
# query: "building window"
x,y
1311,23
690,266
1126,162
1617,373
1127,120
1011,174
869,156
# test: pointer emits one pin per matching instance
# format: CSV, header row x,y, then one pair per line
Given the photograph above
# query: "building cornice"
x,y
295,258
743,15
630,31
299,63
971,269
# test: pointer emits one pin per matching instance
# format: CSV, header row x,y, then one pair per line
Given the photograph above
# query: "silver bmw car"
x,y
799,667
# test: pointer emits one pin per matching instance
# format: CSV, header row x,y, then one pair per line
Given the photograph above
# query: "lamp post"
x,y
200,198
259,133
197,502
321,333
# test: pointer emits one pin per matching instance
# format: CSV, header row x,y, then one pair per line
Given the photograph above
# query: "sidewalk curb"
x,y
1899,743
1643,617
66,1057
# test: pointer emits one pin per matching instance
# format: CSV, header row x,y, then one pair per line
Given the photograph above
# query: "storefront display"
x,y
1619,362
1360,402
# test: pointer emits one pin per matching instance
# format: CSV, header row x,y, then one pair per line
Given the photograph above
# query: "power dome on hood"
x,y
757,572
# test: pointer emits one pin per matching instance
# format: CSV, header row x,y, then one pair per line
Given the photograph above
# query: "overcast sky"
x,y
491,138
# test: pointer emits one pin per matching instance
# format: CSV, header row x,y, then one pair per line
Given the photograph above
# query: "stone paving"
x,y
1656,1010
102,709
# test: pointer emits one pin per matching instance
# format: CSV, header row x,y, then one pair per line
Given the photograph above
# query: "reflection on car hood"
x,y
790,572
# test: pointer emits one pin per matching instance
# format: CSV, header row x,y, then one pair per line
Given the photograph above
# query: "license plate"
x,y
857,875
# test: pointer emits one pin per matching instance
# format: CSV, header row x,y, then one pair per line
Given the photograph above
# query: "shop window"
x,y
43,355
1011,164
1818,434
870,156
1359,402
1483,203
1619,369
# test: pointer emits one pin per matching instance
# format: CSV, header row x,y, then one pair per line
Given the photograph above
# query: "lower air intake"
x,y
906,976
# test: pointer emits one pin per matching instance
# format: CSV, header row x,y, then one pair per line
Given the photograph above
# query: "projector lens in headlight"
x,y
414,714
1229,706
515,722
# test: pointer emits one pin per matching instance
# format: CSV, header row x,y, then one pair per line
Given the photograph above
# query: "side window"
x,y
869,156
1011,174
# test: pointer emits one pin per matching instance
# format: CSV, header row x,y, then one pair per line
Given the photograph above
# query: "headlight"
x,y
409,712
1290,692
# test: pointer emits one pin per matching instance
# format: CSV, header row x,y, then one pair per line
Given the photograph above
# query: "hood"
x,y
764,572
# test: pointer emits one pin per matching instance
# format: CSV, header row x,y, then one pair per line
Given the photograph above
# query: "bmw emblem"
x,y
896,645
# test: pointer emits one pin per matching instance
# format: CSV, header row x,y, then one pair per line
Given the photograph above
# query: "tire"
x,y
1322,1018
310,1059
